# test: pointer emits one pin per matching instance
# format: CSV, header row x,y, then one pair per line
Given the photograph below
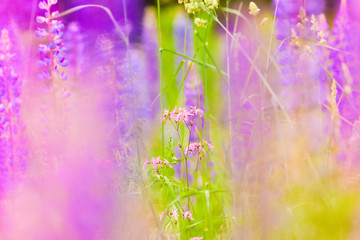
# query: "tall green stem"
x,y
161,76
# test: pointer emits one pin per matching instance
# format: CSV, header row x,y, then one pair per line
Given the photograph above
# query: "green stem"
x,y
161,75
182,86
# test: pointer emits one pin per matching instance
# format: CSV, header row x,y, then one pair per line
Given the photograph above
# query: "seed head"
x,y
254,10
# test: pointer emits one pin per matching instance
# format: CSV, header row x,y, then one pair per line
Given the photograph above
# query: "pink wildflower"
x,y
165,115
174,213
180,115
157,163
194,148
187,215
197,238
209,145
196,111
197,148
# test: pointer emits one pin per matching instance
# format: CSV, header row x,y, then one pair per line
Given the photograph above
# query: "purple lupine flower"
x,y
12,147
179,34
353,150
341,58
322,37
75,48
4,168
302,77
286,17
150,48
193,87
15,12
117,90
193,90
192,84
53,52
341,33
345,71
286,21
243,103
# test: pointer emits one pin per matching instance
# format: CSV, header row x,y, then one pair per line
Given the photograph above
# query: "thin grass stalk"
x,y
229,154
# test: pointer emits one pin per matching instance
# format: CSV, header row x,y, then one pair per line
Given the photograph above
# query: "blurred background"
x,y
101,66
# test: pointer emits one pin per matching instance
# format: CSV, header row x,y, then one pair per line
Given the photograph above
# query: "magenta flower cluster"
x,y
180,114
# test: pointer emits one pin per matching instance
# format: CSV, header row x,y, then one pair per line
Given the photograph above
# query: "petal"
x,y
43,5
41,19
55,14
52,2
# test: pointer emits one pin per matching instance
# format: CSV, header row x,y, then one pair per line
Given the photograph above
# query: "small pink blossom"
x,y
156,163
146,163
194,148
174,213
197,148
196,111
209,145
187,215
165,115
197,238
